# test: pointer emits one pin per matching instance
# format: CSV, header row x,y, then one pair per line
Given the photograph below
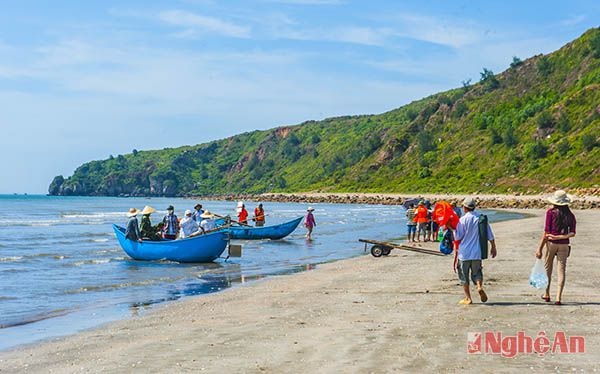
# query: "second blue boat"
x,y
267,232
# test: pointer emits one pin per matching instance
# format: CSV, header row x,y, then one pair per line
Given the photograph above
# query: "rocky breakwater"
x,y
484,201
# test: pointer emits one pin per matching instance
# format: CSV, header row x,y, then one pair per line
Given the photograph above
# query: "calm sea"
x,y
62,270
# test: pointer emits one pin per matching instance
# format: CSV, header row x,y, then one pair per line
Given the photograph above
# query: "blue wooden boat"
x,y
267,232
201,248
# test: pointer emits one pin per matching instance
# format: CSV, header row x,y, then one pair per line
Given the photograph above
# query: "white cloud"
x,y
442,31
355,35
194,24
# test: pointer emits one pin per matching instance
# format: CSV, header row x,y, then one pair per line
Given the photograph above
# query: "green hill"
x,y
532,127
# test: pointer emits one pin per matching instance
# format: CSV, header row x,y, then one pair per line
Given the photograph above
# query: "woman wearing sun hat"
x,y
559,227
133,231
309,222
148,231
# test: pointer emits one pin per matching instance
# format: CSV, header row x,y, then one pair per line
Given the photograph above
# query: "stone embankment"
x,y
484,201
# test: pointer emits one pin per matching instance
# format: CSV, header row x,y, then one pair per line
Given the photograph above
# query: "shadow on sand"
x,y
524,303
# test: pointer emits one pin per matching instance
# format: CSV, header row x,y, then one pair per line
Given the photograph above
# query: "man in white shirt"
x,y
188,225
469,250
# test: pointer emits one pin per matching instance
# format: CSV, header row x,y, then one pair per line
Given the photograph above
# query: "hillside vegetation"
x,y
533,127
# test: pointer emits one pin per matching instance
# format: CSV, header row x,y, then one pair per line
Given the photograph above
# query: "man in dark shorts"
x,y
469,251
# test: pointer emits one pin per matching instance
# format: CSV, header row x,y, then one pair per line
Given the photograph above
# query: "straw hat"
x,y
148,210
310,209
188,212
133,212
560,198
207,214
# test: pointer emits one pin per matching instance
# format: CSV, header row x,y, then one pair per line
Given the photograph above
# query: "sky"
x,y
83,80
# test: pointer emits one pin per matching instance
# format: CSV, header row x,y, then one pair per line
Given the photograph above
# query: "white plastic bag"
x,y
538,277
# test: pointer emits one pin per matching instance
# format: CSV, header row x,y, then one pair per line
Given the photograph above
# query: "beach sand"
x,y
396,313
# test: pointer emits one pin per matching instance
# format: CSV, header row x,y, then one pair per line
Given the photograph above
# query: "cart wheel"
x,y
377,250
386,251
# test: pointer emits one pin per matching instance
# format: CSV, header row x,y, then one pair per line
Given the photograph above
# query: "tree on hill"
x,y
489,79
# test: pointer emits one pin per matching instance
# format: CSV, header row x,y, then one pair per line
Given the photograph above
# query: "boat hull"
x,y
266,232
202,248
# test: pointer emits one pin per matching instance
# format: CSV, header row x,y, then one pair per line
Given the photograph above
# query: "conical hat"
x,y
148,210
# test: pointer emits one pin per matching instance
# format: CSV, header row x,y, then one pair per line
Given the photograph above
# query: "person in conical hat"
x,y
208,223
146,229
133,231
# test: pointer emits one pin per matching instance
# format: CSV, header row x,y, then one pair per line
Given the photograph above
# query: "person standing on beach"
x,y
170,224
559,227
470,251
411,225
421,220
133,230
309,222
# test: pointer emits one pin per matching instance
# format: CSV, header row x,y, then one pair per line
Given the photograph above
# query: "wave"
x,y
93,262
11,258
68,218
48,223
96,215
35,318
109,287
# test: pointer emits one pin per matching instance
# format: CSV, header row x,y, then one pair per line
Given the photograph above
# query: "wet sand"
x,y
396,313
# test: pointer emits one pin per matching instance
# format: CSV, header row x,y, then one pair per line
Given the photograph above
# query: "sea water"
x,y
62,270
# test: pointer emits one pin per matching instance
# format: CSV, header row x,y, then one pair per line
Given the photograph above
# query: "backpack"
x,y
483,237
446,243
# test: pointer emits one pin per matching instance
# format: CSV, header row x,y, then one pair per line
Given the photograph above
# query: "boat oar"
x,y
239,223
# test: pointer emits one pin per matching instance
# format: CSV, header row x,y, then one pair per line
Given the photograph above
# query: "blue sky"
x,y
81,80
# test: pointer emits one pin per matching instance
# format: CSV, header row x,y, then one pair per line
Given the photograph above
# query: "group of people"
x,y
471,233
258,218
195,222
419,221
171,227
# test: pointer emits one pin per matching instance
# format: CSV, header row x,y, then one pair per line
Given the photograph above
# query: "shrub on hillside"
x,y
563,147
424,173
535,150
544,66
489,79
595,44
545,120
563,124
516,62
508,137
588,142
460,109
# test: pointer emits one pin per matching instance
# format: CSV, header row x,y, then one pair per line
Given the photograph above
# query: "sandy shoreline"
x,y
359,315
